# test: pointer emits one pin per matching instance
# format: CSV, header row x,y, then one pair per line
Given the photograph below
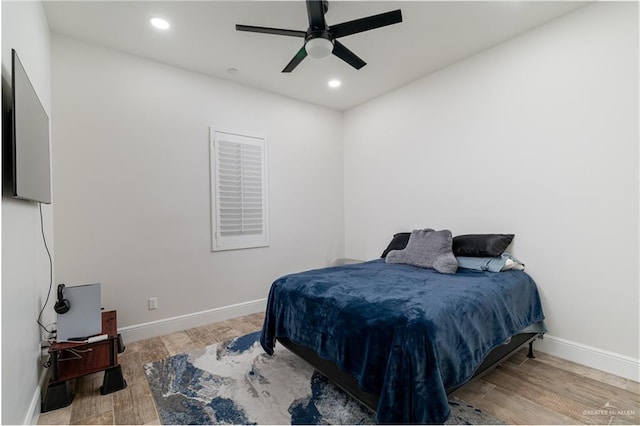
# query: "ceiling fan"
x,y
320,39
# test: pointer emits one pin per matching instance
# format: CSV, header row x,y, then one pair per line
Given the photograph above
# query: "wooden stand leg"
x,y
113,380
58,395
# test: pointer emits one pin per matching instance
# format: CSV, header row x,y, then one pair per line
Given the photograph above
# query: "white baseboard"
x,y
610,362
34,408
147,330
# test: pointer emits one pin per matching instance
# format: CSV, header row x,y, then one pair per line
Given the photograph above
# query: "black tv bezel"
x,y
14,142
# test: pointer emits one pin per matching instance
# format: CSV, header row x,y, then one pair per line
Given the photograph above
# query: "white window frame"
x,y
243,240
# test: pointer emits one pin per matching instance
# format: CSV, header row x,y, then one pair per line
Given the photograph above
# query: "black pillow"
x,y
399,242
481,245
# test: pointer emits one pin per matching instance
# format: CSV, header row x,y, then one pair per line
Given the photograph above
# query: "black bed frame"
x,y
347,382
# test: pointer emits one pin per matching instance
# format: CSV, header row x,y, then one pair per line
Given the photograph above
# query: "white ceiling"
x,y
203,38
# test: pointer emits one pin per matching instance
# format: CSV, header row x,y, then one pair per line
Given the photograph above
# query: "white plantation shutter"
x,y
239,191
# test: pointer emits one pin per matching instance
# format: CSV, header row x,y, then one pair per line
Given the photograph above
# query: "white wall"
x,y
132,189
538,137
25,265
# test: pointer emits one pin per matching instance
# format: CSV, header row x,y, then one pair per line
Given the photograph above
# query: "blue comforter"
x,y
405,333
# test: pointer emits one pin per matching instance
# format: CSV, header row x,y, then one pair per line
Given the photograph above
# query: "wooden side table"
x,y
71,360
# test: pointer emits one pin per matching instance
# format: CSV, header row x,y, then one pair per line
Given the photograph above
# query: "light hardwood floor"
x,y
544,390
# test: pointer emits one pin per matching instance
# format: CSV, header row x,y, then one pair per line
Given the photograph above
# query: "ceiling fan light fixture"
x,y
319,47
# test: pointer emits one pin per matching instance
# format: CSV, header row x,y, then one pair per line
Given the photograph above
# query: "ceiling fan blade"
x,y
346,55
315,11
366,24
302,53
276,31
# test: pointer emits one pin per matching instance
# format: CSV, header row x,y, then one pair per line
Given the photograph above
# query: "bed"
x,y
398,337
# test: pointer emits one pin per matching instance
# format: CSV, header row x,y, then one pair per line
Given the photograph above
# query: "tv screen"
x,y
30,139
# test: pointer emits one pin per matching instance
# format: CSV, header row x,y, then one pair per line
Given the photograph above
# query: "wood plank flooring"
x,y
544,390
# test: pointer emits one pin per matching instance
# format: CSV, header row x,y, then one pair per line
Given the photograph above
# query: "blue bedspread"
x,y
404,332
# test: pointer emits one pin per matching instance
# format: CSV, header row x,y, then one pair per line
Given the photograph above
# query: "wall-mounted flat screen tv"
x,y
31,166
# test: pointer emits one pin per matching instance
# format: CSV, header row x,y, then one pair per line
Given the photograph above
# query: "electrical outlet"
x,y
153,303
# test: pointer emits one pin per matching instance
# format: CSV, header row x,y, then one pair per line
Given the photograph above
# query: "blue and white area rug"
x,y
235,382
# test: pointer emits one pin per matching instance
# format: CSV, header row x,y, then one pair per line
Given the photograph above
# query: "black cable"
x,y
44,239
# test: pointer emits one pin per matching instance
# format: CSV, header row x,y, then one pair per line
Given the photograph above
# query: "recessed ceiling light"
x,y
334,83
160,23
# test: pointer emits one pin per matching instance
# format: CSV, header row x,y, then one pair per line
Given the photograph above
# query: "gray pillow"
x,y
427,249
